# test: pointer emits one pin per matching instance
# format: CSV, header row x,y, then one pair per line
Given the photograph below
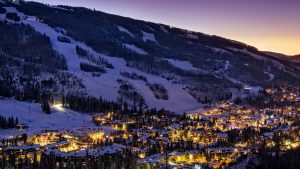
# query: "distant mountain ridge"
x,y
294,58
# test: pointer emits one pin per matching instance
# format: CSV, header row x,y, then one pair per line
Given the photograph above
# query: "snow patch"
x,y
225,68
149,27
192,36
220,50
11,10
2,17
59,7
271,76
135,49
148,36
179,100
122,29
184,65
245,51
227,65
251,89
31,18
163,29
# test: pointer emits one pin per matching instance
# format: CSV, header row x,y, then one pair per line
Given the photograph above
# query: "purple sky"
x,y
272,25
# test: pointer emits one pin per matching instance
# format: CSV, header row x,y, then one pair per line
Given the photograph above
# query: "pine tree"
x,y
16,121
46,107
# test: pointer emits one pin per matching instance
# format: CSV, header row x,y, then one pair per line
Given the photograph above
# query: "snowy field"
x,y
31,115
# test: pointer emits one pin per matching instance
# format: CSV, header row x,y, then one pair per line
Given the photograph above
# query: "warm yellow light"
x,y
142,155
71,147
294,145
124,127
59,107
96,136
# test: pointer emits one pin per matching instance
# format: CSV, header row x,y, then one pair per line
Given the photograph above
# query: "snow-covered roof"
x,y
24,147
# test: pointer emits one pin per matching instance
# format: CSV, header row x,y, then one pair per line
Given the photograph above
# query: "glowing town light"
x,y
142,155
124,127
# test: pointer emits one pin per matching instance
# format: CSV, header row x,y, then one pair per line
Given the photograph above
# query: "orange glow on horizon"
x,y
286,45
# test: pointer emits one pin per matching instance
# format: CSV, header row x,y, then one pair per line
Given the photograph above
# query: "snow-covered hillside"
x,y
200,63
106,85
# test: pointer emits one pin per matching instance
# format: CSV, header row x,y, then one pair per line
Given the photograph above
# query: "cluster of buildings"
x,y
213,138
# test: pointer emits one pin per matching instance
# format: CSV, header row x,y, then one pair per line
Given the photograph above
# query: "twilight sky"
x,y
271,25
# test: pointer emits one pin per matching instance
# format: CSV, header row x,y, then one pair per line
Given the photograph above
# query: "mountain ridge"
x,y
128,60
252,47
290,58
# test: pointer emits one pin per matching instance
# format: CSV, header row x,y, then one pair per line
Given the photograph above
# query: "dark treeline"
x,y
289,159
95,59
92,105
91,68
134,76
274,157
45,99
159,91
128,93
64,39
209,95
30,60
2,10
12,16
9,122
89,104
21,62
18,47
80,51
25,55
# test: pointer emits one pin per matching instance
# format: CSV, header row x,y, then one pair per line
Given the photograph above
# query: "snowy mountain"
x,y
91,53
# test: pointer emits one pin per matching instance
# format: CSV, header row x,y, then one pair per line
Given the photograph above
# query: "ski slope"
x,y
106,85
